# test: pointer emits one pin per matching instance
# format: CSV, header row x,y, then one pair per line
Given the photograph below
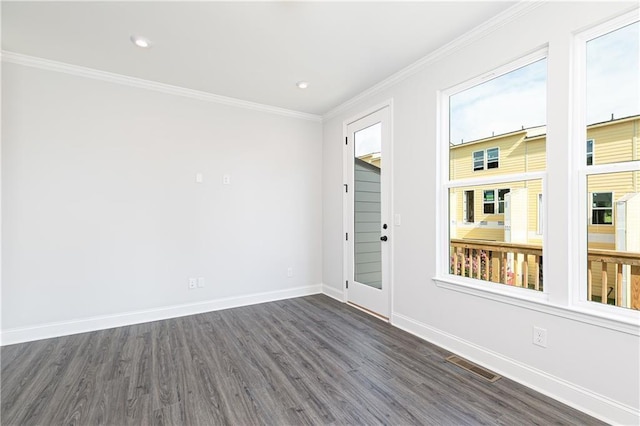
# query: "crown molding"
x,y
47,64
487,27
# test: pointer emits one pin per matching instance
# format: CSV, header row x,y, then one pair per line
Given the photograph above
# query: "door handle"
x,y
383,238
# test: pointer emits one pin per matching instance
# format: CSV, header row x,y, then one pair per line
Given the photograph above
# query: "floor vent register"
x,y
474,368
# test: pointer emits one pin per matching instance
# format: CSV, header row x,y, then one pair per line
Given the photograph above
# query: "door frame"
x,y
347,164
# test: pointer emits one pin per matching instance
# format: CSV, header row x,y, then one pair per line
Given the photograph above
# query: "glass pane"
x,y
478,160
478,249
613,96
613,239
613,199
367,208
505,118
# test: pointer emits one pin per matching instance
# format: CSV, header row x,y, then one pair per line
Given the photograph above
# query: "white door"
x,y
367,213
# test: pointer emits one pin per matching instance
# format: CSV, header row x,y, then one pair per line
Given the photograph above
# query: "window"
x,y
468,206
485,116
501,194
491,204
602,208
489,201
478,160
493,155
608,58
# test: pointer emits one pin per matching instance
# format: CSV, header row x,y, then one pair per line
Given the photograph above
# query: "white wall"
x,y
102,216
588,366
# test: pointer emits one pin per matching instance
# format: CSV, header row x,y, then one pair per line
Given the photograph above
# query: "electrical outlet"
x,y
540,337
193,283
289,272
200,282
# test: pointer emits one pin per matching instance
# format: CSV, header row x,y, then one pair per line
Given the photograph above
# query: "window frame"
x,y
443,278
592,153
490,203
591,208
473,160
580,201
497,160
485,159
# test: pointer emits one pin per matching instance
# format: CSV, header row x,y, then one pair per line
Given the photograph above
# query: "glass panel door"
x,y
367,205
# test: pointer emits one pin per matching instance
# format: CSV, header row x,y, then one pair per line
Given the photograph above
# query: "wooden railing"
x,y
490,261
520,265
623,263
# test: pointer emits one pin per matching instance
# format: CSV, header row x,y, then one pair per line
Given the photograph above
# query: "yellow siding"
x,y
511,160
614,142
536,155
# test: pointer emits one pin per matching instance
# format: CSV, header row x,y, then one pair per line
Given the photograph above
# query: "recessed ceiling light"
x,y
302,84
141,41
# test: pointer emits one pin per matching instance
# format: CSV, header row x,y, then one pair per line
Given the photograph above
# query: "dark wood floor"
x,y
310,360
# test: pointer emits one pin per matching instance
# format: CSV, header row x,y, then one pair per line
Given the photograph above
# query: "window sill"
x,y
539,301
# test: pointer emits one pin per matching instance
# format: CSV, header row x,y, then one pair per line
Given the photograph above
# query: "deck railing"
x,y
521,265
626,266
500,262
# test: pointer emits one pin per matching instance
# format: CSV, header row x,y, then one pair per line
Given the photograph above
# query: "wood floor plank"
x,y
304,361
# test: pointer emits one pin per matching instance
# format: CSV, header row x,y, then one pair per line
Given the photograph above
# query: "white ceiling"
x,y
250,51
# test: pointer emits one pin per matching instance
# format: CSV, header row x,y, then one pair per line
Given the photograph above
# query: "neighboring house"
x,y
513,212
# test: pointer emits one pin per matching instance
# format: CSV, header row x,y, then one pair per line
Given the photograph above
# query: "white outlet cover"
x,y
193,283
540,337
226,179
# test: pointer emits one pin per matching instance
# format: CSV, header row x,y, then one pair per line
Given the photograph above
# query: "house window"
x,y
478,160
491,204
493,155
608,104
468,206
513,98
501,194
489,201
602,208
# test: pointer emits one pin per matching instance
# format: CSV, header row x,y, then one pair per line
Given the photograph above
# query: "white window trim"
x,y
443,278
621,320
603,314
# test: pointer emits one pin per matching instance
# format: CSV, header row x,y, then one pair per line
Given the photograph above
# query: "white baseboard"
x,y
333,292
559,389
57,329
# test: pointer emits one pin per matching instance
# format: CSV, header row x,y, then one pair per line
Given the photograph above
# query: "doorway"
x,y
368,212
